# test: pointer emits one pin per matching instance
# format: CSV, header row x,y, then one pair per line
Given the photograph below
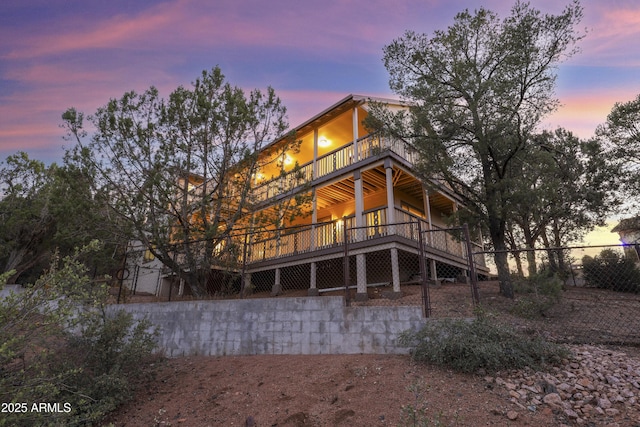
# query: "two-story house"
x,y
360,187
344,185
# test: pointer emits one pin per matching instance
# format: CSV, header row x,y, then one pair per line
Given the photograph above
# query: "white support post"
x,y
315,154
313,287
395,271
356,148
248,287
434,273
391,206
314,219
277,287
361,278
427,207
359,193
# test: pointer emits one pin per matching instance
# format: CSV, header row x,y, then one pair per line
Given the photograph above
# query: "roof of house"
x,y
338,108
628,224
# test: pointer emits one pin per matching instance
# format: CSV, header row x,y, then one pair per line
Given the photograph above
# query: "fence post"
x,y
423,274
473,280
121,272
243,274
347,294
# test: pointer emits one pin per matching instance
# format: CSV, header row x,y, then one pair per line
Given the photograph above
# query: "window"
x,y
412,209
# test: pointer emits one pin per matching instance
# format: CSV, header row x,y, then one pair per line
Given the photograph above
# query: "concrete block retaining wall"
x,y
305,325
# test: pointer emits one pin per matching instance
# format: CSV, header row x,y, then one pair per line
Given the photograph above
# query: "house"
x,y
629,230
347,186
360,182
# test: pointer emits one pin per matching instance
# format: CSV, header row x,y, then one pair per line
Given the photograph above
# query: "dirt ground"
x,y
334,390
366,390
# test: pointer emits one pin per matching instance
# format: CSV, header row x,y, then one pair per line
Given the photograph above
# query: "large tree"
x,y
179,171
477,91
566,188
622,132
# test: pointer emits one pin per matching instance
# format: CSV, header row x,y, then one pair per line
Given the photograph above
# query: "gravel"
x,y
594,387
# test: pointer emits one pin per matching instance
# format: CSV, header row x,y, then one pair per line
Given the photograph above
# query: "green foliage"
x,y
417,414
609,270
469,346
622,132
180,169
48,209
536,294
58,346
479,90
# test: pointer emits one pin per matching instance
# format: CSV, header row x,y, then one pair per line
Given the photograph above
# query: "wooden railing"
x,y
320,236
333,161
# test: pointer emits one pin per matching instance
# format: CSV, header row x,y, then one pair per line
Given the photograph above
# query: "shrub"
x,y
469,346
536,294
58,346
609,270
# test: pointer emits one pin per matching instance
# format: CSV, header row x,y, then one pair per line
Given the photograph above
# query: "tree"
x,y
179,172
622,131
58,343
477,91
610,270
44,209
566,188
26,222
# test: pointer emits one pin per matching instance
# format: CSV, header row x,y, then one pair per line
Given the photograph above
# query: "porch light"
x,y
287,160
323,142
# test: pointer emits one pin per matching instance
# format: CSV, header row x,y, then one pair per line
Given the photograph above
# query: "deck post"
x,y
313,287
395,273
391,211
361,278
359,196
277,287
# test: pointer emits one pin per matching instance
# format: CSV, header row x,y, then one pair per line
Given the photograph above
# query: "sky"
x,y
56,54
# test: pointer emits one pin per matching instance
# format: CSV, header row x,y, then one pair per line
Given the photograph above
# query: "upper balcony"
x,y
361,150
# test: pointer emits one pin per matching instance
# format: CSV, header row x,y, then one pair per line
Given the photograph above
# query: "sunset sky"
x,y
57,54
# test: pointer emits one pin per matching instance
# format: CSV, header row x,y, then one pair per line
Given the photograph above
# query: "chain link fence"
x,y
572,294
374,265
576,295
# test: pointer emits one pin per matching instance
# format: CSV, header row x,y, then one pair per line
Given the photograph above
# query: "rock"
x,y
612,412
571,414
552,399
604,403
512,415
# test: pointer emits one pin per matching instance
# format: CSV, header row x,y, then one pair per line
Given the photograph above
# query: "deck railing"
x,y
340,158
293,241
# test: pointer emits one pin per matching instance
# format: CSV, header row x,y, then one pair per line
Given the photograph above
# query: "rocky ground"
x,y
595,387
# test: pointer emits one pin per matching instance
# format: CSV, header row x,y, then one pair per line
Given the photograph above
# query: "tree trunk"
x,y
514,252
531,255
553,265
497,232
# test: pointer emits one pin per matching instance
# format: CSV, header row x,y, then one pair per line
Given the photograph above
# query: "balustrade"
x,y
340,158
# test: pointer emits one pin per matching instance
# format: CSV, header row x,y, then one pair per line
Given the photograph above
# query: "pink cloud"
x,y
119,31
611,35
582,113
